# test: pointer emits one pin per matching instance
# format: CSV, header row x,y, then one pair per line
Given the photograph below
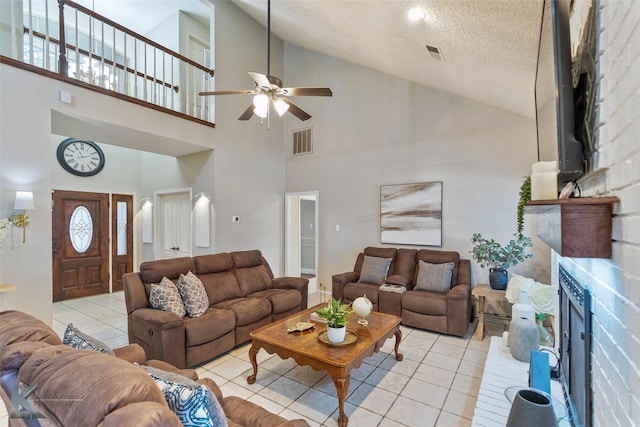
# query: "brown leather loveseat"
x,y
242,293
442,305
72,387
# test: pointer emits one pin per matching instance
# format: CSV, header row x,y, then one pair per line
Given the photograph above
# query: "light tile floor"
x,y
436,384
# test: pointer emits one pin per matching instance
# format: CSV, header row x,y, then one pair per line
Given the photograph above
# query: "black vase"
x,y
531,408
498,278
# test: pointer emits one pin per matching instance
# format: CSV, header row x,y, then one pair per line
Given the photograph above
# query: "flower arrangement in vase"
x,y
543,298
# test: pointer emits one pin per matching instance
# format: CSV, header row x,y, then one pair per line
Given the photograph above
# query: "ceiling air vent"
x,y
435,53
302,142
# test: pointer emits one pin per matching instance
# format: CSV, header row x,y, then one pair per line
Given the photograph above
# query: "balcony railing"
x,y
78,43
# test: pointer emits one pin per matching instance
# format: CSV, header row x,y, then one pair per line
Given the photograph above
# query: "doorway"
x,y
302,237
80,244
173,229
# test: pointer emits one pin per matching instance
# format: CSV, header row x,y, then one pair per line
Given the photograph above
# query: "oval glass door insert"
x,y
81,229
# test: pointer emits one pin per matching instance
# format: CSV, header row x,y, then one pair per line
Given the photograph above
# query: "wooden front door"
x,y
80,244
121,238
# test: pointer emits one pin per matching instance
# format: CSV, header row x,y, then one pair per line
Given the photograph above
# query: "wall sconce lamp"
x,y
201,198
24,202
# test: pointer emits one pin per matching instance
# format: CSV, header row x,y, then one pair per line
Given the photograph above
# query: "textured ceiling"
x,y
489,46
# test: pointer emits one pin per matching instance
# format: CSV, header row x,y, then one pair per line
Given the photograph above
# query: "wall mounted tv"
x,y
554,95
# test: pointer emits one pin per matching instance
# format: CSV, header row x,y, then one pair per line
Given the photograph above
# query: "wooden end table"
x,y
483,291
305,348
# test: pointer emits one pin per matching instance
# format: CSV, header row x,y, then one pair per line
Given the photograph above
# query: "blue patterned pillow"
x,y
76,339
194,406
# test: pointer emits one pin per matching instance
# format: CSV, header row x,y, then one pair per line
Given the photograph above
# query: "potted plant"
x,y
490,253
335,313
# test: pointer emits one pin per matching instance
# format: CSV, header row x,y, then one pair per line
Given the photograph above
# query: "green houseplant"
x,y
525,196
490,253
335,313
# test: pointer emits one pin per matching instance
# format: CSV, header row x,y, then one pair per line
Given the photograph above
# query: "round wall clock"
x,y
80,157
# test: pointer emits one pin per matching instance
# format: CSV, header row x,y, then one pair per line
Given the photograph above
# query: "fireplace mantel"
x,y
578,228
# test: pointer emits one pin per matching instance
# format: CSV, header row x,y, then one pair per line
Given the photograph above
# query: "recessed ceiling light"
x,y
415,13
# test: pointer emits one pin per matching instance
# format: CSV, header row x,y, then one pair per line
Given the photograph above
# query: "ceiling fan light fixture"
x,y
261,101
281,106
260,112
261,104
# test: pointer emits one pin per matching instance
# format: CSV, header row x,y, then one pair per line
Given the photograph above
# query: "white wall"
x,y
378,130
250,167
615,283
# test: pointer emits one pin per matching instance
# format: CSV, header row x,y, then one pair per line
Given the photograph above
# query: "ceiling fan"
x,y
268,90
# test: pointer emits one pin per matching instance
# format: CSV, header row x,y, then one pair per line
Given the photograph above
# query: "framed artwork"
x,y
411,214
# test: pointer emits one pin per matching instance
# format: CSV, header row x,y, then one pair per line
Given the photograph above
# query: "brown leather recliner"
x,y
448,313
243,295
89,388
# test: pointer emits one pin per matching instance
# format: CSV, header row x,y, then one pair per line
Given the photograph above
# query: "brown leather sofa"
x,y
89,388
243,295
445,312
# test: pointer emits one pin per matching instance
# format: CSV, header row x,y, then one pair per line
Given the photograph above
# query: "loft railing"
x,y
76,42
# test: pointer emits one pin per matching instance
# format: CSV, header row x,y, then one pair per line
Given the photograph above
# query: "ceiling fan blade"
x,y
248,113
306,91
297,111
261,79
227,92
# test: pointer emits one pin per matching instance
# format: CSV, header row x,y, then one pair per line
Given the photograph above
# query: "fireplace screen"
x,y
575,348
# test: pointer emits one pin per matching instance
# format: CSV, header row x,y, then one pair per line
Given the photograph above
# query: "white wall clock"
x,y
80,157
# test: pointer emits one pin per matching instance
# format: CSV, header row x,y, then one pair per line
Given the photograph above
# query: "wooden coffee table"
x,y
338,361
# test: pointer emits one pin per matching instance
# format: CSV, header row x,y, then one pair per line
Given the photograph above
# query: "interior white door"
x,y
174,225
198,81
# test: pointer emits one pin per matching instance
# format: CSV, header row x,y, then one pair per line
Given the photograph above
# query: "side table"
x,y
483,291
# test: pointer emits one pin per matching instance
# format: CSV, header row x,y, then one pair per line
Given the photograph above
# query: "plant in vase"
x,y
335,313
542,298
498,258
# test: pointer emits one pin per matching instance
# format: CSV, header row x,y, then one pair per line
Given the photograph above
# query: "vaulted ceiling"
x,y
488,47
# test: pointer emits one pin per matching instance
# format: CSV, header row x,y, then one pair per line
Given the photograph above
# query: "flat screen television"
x,y
554,94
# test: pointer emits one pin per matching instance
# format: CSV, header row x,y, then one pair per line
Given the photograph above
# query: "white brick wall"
x,y
615,283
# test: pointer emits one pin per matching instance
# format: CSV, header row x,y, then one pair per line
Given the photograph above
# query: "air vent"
x,y
435,53
302,142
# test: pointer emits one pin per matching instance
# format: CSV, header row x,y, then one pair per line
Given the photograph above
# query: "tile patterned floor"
x,y
436,384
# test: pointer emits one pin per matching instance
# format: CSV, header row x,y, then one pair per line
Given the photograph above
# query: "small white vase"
x,y
336,335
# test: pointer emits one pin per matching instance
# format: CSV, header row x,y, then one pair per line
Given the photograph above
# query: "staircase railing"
x,y
84,45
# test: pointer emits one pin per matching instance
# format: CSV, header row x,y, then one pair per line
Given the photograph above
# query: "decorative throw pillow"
x,y
374,270
193,403
434,277
76,339
193,294
165,296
